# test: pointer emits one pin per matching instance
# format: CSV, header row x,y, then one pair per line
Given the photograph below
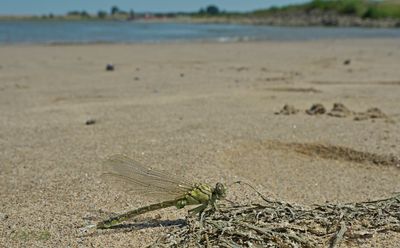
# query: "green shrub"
x,y
383,11
361,8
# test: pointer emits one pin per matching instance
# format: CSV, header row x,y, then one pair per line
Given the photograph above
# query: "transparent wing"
x,y
133,176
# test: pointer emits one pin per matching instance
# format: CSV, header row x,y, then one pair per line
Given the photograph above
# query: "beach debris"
x,y
347,62
182,74
273,223
175,191
90,122
136,78
287,110
340,110
110,67
316,109
371,113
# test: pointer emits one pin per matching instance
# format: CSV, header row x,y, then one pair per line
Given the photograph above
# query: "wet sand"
x,y
205,111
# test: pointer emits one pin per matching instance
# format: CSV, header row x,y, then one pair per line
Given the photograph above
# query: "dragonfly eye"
x,y
220,190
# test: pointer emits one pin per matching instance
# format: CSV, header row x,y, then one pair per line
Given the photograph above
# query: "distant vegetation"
x,y
210,10
360,8
115,13
315,12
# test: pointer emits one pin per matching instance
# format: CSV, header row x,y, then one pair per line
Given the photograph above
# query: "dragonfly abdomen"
x,y
128,215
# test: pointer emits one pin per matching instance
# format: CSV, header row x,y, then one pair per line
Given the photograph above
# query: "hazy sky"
x,y
13,7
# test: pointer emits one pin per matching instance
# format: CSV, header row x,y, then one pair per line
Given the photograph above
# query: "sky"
x,y
38,7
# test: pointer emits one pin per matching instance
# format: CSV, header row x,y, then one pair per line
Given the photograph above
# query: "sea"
x,y
70,32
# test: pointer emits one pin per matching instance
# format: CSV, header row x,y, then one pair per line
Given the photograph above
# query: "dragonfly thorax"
x,y
201,193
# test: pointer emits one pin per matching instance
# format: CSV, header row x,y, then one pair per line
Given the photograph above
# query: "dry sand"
x,y
202,110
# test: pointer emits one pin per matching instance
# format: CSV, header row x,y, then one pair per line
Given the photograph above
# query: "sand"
x,y
205,111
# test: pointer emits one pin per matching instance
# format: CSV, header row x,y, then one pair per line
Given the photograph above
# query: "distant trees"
x,y
85,14
76,13
49,16
212,10
131,14
73,13
209,10
114,10
101,14
115,13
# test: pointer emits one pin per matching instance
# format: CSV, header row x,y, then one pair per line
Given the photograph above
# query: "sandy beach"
x,y
205,111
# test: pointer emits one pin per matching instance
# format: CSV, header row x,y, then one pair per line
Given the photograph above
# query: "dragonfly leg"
x,y
205,212
214,206
198,210
202,218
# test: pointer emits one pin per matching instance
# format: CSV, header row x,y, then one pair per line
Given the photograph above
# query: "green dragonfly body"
x,y
148,181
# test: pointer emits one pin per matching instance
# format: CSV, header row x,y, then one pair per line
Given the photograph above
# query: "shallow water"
x,y
44,32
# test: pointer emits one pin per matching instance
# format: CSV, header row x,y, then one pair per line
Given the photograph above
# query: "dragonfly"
x,y
175,192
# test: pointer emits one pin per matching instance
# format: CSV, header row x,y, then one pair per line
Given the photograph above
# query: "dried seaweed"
x,y
281,224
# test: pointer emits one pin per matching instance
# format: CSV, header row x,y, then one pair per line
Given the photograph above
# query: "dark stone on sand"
x,y
376,113
287,110
110,67
3,216
339,110
90,122
347,62
136,78
182,75
316,109
371,113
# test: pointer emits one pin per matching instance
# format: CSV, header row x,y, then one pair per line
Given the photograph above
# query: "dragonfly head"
x,y
219,191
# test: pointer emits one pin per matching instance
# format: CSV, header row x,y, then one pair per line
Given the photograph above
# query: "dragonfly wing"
x,y
144,180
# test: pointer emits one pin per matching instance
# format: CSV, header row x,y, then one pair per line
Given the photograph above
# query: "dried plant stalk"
x,y
281,224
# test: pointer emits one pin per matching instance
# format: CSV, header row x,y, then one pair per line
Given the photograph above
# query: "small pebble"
x,y
287,110
347,62
316,109
110,67
90,122
339,110
3,216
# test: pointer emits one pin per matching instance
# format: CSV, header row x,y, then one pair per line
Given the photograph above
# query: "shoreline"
x,y
199,42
